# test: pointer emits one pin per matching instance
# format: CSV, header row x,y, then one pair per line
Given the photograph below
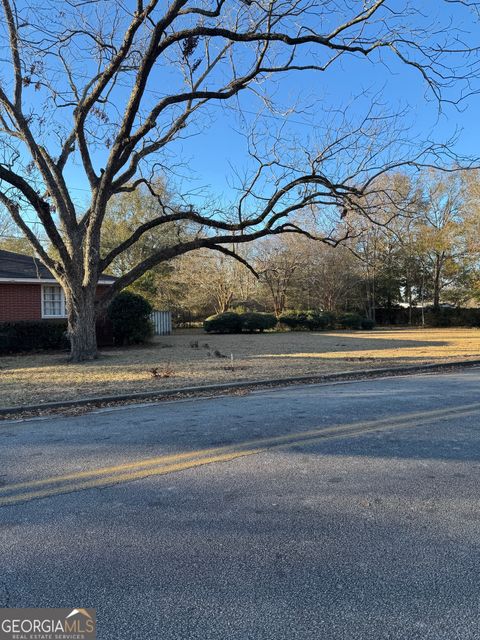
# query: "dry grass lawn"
x,y
39,378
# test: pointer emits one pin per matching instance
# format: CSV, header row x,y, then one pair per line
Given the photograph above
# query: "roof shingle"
x,y
17,266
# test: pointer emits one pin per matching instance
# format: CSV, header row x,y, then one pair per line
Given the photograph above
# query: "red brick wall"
x,y
20,302
24,301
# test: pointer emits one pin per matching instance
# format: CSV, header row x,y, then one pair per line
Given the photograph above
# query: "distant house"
x,y
28,291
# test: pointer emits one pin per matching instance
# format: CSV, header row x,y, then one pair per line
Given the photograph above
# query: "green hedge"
x,y
448,317
350,321
129,314
368,324
255,321
228,322
319,320
231,322
293,320
315,320
16,337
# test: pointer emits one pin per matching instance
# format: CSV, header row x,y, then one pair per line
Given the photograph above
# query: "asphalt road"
x,y
348,511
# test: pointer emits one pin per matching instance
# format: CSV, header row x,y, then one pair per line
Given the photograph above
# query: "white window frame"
x,y
63,311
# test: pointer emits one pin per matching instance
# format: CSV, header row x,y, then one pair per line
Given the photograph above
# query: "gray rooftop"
x,y
17,266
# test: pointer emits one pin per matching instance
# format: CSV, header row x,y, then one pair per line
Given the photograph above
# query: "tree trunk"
x,y
409,297
82,325
436,282
436,291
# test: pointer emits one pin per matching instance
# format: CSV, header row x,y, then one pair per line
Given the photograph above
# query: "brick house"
x,y
28,291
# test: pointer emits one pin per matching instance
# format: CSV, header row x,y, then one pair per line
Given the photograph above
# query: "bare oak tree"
x,y
105,88
278,260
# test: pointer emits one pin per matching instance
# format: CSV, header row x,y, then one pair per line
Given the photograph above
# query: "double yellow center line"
x,y
107,476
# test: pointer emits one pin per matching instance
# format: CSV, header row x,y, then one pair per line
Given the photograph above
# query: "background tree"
x,y
300,273
206,282
383,265
471,180
125,213
10,238
379,242
277,262
331,282
107,87
441,233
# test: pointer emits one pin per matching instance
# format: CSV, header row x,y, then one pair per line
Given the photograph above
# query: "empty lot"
x,y
178,361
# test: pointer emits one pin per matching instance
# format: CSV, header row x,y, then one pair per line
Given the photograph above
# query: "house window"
x,y
53,302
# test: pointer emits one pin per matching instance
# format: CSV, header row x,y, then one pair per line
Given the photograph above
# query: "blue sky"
x,y
207,158
210,155
214,152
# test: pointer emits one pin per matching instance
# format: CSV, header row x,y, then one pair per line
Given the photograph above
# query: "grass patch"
x,y
39,378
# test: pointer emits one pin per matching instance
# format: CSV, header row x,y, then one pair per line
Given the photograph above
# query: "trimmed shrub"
x,y
350,321
368,324
129,314
255,321
468,317
319,320
297,320
290,320
313,320
228,322
38,335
